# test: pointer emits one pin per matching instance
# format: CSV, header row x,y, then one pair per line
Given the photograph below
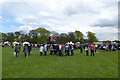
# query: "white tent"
x,y
26,43
7,42
71,43
14,43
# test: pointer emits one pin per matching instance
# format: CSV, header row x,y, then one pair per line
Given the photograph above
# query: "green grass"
x,y
102,65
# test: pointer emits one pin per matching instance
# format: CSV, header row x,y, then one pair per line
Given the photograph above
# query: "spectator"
x,y
25,50
17,50
81,48
45,50
71,50
41,50
67,50
60,50
87,50
29,49
92,49
51,49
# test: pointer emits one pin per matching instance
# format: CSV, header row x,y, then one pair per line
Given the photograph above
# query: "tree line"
x,y
41,35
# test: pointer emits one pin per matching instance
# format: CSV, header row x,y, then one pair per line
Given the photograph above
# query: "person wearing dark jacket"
x,y
67,50
29,49
71,50
81,48
87,50
55,49
17,50
51,49
25,50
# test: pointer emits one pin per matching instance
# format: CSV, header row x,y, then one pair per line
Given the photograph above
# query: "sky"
x,y
62,16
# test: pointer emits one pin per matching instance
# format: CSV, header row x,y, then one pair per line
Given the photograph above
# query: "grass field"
x,y
102,65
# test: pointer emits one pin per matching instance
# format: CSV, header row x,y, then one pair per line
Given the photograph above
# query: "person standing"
x,y
25,50
56,48
60,50
71,49
29,49
67,50
41,50
81,48
51,49
17,50
92,49
87,50
45,50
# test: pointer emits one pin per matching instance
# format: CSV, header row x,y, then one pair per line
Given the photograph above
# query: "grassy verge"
x,y
102,65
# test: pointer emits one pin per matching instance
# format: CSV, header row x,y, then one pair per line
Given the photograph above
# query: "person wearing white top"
x,y
41,50
87,50
60,50
45,49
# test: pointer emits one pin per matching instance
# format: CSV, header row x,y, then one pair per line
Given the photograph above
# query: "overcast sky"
x,y
62,16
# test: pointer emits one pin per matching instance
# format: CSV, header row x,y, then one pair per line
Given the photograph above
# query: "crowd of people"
x,y
63,49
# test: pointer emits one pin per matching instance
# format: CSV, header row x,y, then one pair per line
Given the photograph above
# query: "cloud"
x,y
26,29
82,7
106,33
27,19
110,36
106,23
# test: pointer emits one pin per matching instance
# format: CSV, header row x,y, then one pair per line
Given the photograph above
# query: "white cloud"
x,y
44,13
24,28
26,19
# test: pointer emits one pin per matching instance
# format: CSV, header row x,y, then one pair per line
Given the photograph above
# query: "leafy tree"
x,y
54,33
43,35
117,41
3,36
10,37
25,37
33,36
39,35
79,36
71,37
62,38
91,37
17,35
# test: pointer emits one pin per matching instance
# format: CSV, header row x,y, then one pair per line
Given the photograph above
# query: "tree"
x,y
25,37
79,36
117,41
17,35
39,35
54,33
3,37
33,36
42,31
10,37
71,37
91,37
62,38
